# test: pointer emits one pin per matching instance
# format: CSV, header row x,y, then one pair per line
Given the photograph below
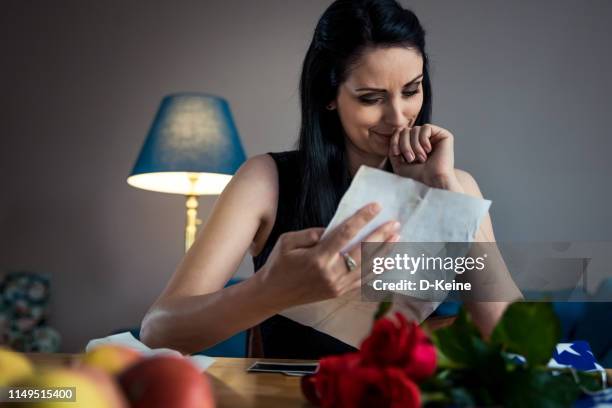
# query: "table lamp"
x,y
192,149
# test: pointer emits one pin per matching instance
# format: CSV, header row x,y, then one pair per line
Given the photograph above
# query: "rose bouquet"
x,y
398,365
384,372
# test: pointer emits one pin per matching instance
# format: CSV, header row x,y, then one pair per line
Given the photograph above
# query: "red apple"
x,y
166,381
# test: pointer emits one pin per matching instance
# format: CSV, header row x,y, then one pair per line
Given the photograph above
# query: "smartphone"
x,y
297,369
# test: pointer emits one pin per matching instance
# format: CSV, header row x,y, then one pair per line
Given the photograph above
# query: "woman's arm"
x,y
194,311
485,314
435,167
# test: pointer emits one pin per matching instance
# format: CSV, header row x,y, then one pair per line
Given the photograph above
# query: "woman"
x,y
366,100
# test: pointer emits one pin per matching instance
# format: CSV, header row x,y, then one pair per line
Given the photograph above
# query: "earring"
x,y
330,107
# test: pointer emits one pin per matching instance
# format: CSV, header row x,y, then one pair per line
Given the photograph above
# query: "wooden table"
x,y
233,386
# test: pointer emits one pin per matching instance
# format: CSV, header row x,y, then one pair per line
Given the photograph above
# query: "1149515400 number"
x,y
31,394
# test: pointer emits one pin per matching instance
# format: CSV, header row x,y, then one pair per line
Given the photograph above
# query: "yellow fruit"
x,y
13,366
111,358
92,388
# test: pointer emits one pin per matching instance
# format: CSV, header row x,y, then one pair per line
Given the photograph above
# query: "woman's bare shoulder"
x,y
258,176
260,170
468,183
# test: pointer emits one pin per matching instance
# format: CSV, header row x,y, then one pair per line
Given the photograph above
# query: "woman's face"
x,y
382,94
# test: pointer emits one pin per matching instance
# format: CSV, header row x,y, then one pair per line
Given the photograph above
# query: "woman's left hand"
x,y
424,153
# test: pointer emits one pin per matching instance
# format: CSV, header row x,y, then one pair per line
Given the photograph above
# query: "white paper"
x,y
126,339
426,215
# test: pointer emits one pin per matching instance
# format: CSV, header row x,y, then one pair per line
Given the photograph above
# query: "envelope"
x,y
126,339
426,215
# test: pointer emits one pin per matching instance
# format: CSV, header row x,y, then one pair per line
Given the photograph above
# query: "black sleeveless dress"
x,y
282,337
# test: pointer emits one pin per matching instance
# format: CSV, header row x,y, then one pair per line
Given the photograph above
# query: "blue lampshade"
x,y
192,148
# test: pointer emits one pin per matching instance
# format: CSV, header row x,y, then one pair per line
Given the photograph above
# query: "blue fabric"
x,y
579,355
588,321
576,354
448,308
191,133
601,399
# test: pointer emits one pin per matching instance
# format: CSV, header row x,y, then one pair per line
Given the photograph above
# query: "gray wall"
x,y
524,86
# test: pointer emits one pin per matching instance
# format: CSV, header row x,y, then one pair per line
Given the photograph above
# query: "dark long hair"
x,y
344,30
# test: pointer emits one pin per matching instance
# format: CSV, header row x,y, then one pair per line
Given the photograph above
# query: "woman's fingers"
x,y
350,282
405,147
384,232
302,239
379,238
415,143
380,234
394,145
344,233
424,138
438,134
381,251
353,281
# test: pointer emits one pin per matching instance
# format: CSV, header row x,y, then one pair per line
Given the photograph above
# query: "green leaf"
x,y
529,329
460,344
539,389
383,309
590,381
462,397
443,362
472,371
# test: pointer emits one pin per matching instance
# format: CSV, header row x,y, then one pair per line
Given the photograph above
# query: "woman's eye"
x,y
370,101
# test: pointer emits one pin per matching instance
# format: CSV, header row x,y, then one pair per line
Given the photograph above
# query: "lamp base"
x,y
192,221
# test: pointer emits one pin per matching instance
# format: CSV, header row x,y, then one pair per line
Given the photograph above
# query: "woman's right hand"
x,y
303,268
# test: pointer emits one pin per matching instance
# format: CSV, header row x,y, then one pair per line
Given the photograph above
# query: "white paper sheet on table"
x,y
128,340
425,214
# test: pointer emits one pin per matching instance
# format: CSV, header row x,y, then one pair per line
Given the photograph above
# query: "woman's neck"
x,y
357,158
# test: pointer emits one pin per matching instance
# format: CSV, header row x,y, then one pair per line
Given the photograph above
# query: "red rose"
x,y
342,382
381,374
400,344
423,357
309,389
322,387
366,387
